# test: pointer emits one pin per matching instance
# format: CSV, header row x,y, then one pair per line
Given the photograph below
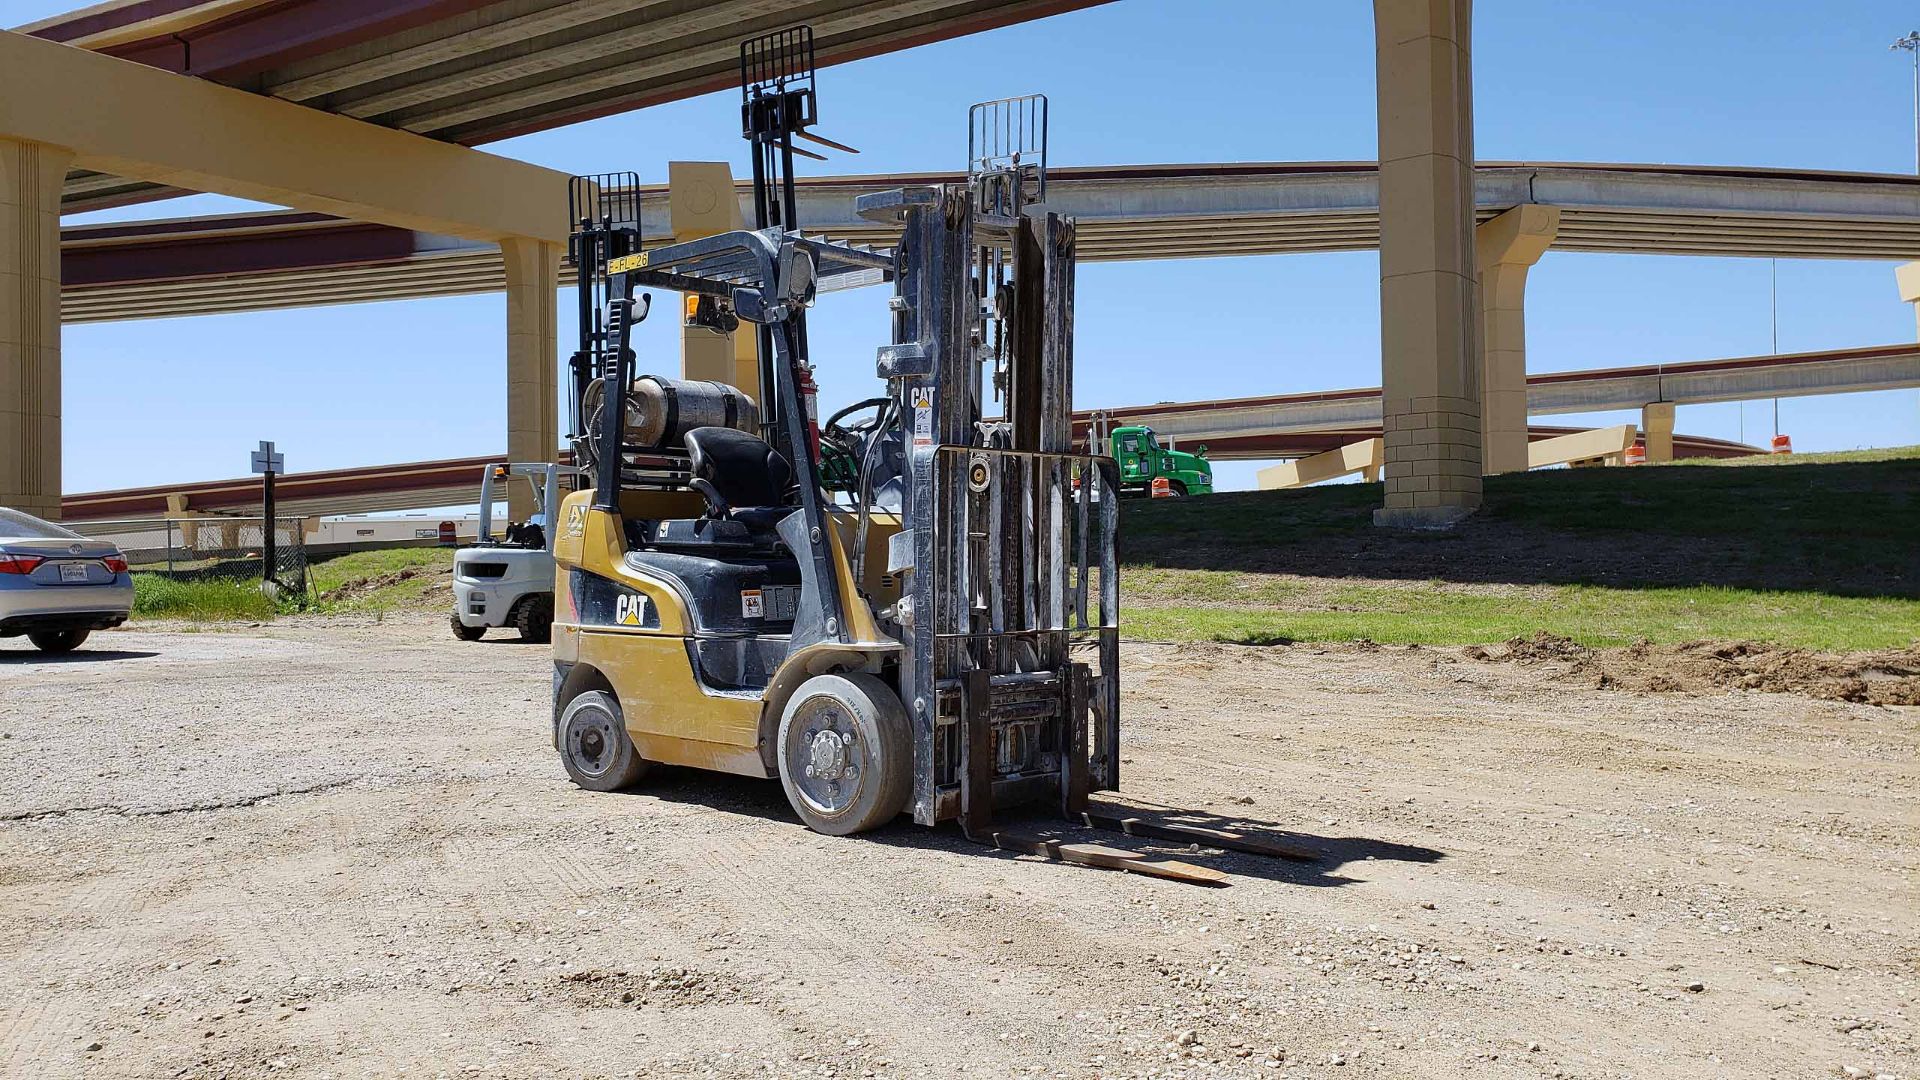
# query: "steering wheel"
x,y
841,439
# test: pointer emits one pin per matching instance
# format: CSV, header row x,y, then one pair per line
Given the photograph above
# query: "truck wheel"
x,y
845,753
1179,489
534,618
594,745
464,632
57,641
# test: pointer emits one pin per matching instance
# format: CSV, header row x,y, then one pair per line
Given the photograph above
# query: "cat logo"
x,y
629,609
576,520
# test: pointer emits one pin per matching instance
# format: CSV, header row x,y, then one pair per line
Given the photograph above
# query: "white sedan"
x,y
57,586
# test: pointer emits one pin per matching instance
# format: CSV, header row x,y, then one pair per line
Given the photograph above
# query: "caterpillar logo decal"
x,y
621,265
606,603
630,609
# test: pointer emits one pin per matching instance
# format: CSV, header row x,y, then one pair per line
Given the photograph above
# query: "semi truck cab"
x,y
1143,460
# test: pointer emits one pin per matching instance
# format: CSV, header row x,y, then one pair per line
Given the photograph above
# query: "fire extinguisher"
x,y
810,397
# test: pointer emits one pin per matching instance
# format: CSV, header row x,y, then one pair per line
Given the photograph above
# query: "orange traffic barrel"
x,y
1162,488
1637,454
1782,444
447,536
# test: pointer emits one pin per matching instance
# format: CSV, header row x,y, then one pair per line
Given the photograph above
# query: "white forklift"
x,y
508,580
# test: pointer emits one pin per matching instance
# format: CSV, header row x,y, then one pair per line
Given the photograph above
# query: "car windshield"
x,y
18,526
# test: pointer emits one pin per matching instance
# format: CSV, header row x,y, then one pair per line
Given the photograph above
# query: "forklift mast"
x,y
1010,665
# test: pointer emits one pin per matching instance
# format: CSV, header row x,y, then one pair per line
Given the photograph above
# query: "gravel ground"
x,y
339,849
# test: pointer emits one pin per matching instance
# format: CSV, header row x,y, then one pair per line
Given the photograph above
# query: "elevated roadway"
x,y
207,265
1249,427
476,71
1274,426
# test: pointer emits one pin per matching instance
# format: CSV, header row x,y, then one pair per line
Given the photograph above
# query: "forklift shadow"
x,y
765,799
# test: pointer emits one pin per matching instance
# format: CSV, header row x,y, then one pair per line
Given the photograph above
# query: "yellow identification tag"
x,y
621,265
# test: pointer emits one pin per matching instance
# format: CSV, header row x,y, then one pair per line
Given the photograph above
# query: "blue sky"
x,y
1769,83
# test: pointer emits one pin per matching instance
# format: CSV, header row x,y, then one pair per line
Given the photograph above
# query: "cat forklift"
x,y
930,626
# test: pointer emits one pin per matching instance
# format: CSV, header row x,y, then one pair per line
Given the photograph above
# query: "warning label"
x,y
923,417
751,606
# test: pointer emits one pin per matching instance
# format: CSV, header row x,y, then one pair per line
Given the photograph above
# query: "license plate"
x,y
73,571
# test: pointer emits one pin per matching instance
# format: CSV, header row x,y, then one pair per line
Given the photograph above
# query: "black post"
x,y
267,553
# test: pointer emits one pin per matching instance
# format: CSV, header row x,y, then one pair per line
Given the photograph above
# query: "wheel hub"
x,y
827,759
827,756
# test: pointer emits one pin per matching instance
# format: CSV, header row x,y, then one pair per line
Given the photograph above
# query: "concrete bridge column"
x,y
31,175
1656,426
701,202
1907,276
1429,321
533,359
1504,250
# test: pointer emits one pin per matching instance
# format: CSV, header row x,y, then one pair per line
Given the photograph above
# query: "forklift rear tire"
x,y
846,753
594,745
534,619
464,632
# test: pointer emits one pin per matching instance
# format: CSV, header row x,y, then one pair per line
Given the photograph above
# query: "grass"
x,y
157,596
365,581
380,581
1815,550
1590,615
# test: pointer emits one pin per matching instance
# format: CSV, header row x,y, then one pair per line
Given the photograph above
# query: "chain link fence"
x,y
206,548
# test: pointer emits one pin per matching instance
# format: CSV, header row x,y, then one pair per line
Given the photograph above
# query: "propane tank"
x,y
660,411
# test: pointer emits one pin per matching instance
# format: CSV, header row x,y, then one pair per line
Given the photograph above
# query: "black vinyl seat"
x,y
741,477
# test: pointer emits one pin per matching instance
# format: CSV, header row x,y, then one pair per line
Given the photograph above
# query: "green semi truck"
x,y
1143,460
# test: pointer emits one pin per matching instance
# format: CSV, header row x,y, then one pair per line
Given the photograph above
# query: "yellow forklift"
x,y
924,621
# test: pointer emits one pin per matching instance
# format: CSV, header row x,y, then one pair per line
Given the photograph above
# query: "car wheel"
x,y
594,745
464,632
845,753
534,618
57,641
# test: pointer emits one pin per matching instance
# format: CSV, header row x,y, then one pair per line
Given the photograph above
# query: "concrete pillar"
x,y
701,202
31,175
1907,277
533,359
1504,250
1656,426
1429,325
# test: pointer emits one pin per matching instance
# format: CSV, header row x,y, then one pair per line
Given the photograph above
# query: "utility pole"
x,y
1911,43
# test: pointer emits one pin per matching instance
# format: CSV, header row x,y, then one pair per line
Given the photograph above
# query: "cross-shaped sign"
x,y
267,460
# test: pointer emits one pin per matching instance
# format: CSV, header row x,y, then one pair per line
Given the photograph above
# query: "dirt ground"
x,y
337,849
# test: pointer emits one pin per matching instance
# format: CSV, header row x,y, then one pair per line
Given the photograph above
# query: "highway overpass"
x,y
1247,427
1258,428
206,265
475,71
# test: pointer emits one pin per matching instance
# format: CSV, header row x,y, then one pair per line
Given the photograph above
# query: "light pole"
x,y
1911,43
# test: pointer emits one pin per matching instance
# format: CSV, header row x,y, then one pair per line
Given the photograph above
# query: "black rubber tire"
x,y
57,641
1179,489
464,632
594,745
878,723
533,618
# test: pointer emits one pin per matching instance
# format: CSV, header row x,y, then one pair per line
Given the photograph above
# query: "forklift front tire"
x,y
594,745
466,633
845,753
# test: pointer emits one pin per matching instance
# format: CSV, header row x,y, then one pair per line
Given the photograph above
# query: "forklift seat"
x,y
739,475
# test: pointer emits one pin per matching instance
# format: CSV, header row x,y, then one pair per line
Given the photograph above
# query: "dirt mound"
x,y
661,987
430,577
1891,677
1540,647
